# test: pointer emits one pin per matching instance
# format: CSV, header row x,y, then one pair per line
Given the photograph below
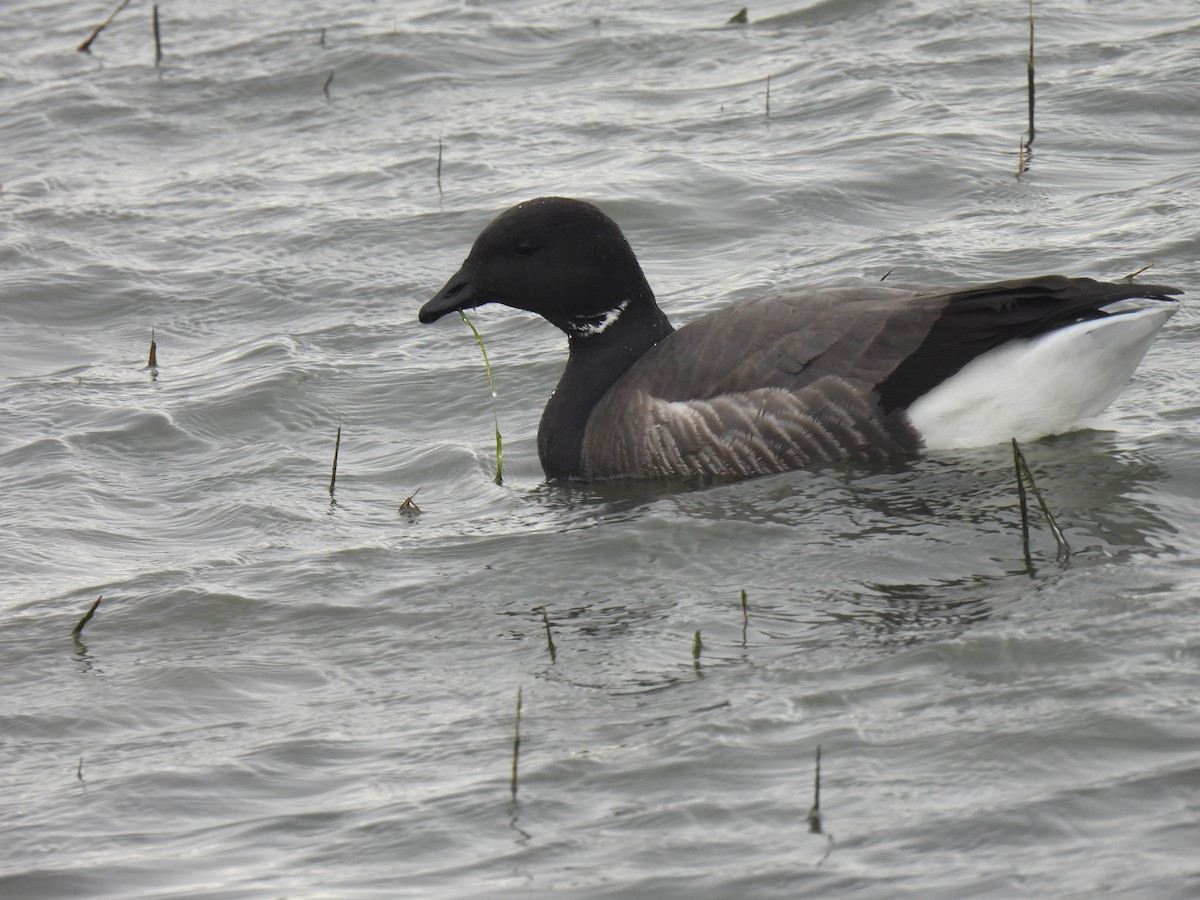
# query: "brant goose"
x,y
817,374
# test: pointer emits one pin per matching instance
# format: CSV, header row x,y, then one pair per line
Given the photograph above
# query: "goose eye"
x,y
523,248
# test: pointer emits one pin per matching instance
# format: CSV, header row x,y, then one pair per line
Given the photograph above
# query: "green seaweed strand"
x,y
487,367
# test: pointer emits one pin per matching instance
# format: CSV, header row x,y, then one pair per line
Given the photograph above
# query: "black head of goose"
x,y
818,374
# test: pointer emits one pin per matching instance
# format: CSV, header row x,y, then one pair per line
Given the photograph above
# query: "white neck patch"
x,y
592,325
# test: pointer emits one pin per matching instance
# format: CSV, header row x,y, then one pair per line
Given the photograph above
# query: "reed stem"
x,y
516,746
1025,148
87,617
1064,549
814,814
549,637
409,505
337,447
86,46
441,193
157,39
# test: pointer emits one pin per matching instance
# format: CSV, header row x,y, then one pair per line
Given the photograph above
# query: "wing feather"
x,y
747,433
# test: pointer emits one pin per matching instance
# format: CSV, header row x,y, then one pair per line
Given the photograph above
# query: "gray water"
x,y
281,696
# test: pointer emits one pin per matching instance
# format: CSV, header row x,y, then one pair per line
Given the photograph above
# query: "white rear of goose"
x,y
1027,389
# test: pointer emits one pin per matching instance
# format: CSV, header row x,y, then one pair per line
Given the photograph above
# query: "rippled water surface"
x,y
281,696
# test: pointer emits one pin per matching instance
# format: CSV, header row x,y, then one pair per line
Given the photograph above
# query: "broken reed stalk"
x,y
745,617
157,42
325,86
814,814
152,363
439,169
87,617
549,637
409,505
337,446
86,46
1133,275
1064,549
487,367
697,646
516,746
79,771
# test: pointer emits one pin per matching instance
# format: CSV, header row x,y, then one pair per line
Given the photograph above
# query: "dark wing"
x,y
767,385
790,340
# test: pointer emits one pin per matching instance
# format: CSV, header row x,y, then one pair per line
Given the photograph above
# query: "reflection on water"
x,y
1091,482
879,556
87,665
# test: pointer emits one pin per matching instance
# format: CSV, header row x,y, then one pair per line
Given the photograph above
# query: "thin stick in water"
x,y
487,367
409,506
697,647
157,41
1024,506
1133,275
1029,73
86,46
337,446
152,363
325,86
1064,549
439,169
549,636
1025,149
87,617
814,814
516,746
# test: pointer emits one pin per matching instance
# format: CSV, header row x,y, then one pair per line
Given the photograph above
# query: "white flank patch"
x,y
1030,389
599,324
